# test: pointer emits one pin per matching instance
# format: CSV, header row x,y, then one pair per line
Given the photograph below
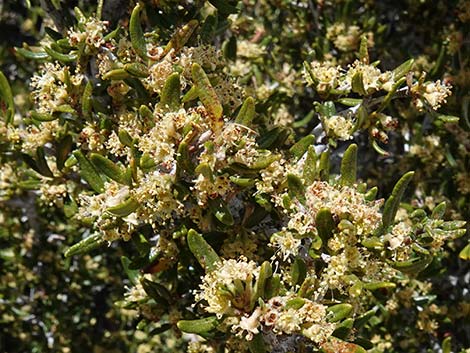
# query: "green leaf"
x,y
296,187
256,345
137,69
324,169
349,166
41,163
403,69
31,55
7,97
325,224
86,100
116,74
181,36
198,326
412,266
136,33
378,285
156,291
86,245
124,209
299,148
108,168
202,251
393,202
364,51
265,273
298,271
64,58
133,275
89,173
310,166
221,211
170,97
371,194
465,253
357,84
439,211
63,148
208,96
223,7
247,112
339,312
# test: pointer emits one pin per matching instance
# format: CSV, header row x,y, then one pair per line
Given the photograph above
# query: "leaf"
x,y
393,202
349,166
89,173
301,146
202,251
170,97
403,69
310,166
124,209
296,187
265,273
223,7
86,100
298,271
221,211
116,74
86,245
324,169
63,148
137,69
198,326
181,36
465,253
108,168
439,211
64,58
378,285
133,275
390,95
412,266
363,51
32,55
325,224
256,345
41,163
156,291
136,33
208,96
339,312
357,84
247,112
7,97
371,194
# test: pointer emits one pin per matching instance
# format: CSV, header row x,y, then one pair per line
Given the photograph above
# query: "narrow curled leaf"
x,y
207,93
301,146
363,51
325,224
181,36
265,273
310,166
393,202
43,116
339,312
86,100
63,148
136,33
124,209
65,58
137,69
371,194
296,187
108,167
298,271
116,74
412,266
349,166
7,97
403,69
202,251
465,253
247,112
170,98
41,163
357,84
439,211
324,169
221,211
32,55
85,245
198,326
89,172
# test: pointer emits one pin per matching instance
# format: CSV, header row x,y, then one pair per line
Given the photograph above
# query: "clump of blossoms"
x,y
236,235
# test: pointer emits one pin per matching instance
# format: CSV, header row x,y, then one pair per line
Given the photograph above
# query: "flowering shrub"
x,y
245,218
